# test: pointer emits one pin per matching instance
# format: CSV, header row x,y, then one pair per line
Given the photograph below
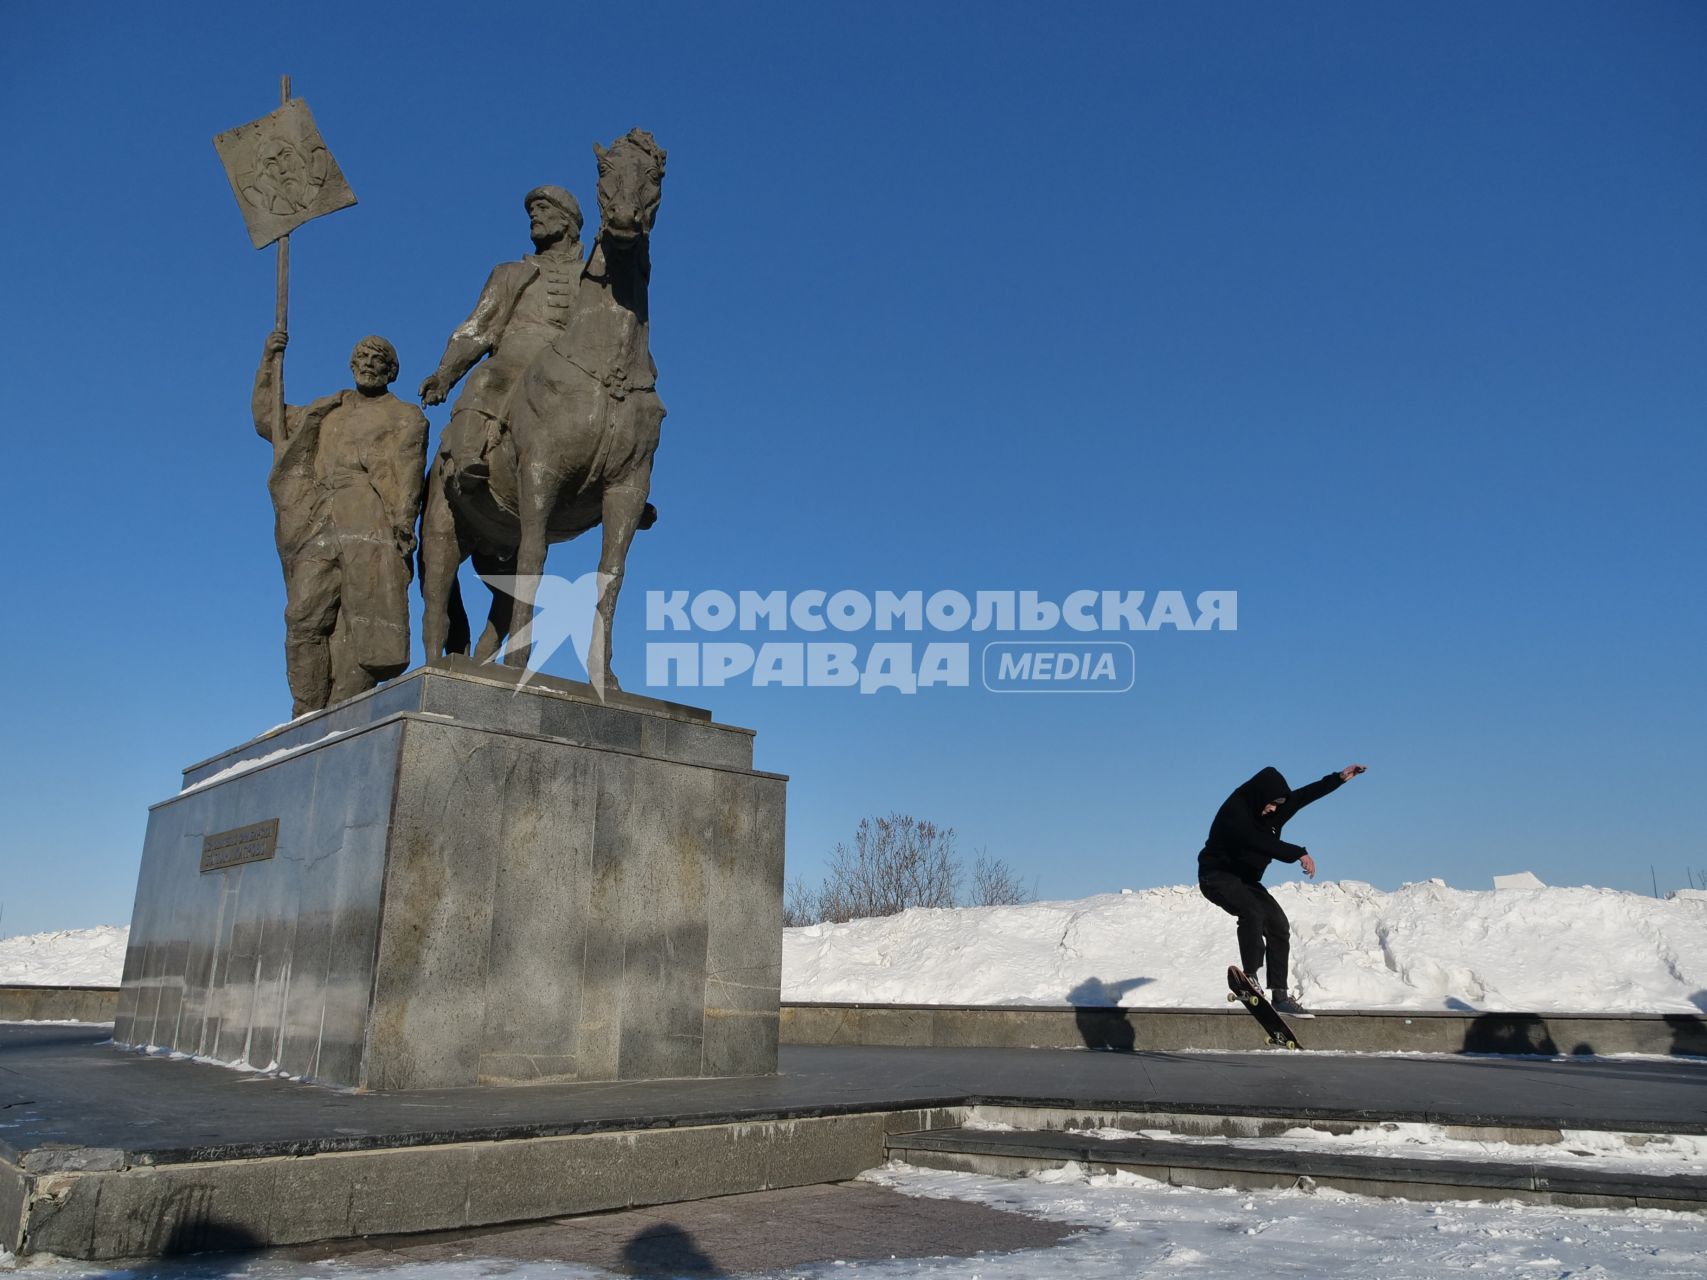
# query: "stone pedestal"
x,y
451,880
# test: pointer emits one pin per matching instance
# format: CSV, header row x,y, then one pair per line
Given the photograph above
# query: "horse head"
x,y
631,180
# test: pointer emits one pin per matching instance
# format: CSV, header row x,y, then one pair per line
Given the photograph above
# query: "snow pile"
x,y
1425,946
66,958
1137,1227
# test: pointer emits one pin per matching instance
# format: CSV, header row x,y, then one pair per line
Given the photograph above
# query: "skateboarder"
x,y
1243,839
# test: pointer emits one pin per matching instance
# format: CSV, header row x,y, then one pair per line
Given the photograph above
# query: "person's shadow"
x,y
1688,1031
667,1250
1519,1033
1102,1023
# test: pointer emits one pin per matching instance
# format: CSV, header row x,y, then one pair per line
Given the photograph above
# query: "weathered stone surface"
x,y
455,900
268,962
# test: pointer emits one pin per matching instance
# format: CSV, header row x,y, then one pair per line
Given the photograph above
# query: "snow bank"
x,y
1425,946
1353,947
66,958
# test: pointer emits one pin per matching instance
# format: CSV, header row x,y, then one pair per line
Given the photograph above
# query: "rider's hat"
x,y
559,197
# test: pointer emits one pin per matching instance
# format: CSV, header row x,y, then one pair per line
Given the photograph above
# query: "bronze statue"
x,y
578,431
522,308
346,489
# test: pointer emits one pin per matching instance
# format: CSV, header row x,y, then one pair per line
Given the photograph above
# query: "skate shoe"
x,y
1286,1006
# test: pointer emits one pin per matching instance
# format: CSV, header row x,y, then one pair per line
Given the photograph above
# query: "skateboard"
x,y
1247,993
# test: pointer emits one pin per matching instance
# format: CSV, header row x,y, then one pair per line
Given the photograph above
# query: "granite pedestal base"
x,y
470,882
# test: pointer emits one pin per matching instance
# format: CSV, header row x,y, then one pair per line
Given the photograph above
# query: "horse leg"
x,y
502,611
456,641
441,553
538,490
624,503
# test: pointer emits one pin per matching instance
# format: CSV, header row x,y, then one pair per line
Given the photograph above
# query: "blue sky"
x,y
1388,317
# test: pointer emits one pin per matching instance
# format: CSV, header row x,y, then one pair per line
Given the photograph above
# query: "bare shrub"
x,y
800,906
895,863
996,884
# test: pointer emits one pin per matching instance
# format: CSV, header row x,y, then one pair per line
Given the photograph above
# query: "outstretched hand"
x,y
1351,771
1309,865
433,390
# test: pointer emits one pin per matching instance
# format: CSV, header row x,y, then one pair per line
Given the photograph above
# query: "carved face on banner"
x,y
287,176
281,172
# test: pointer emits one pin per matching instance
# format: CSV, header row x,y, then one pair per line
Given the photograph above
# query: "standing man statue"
x,y
346,488
523,308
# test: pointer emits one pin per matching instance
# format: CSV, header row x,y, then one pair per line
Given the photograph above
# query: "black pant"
x,y
1260,921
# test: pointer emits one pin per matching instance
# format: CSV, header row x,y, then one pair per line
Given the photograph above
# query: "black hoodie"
x,y
1242,841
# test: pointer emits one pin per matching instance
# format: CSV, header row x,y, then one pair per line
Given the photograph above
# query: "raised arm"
x,y
1325,785
264,404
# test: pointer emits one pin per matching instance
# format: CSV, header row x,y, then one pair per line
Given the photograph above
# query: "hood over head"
x,y
1268,786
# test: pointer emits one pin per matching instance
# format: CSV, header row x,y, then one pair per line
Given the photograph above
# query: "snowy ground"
x,y
1137,1228
1145,1228
66,958
1425,946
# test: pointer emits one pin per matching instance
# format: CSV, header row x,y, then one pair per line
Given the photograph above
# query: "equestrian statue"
x,y
555,432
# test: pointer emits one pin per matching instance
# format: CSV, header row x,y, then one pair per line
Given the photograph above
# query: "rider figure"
x,y
524,306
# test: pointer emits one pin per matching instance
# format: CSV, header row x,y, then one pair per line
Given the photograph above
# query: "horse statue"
x,y
576,444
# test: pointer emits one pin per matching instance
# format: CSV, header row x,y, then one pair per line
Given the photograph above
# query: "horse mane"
x,y
643,140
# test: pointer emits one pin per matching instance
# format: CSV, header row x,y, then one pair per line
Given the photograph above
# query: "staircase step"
x,y
1210,1164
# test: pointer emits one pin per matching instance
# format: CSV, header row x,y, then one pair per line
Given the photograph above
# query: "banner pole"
x,y
281,307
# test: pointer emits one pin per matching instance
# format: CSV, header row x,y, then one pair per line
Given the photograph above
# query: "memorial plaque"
x,y
254,843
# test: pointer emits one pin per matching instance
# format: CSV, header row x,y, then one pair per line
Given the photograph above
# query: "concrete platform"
x,y
1070,1027
108,1154
1226,1026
